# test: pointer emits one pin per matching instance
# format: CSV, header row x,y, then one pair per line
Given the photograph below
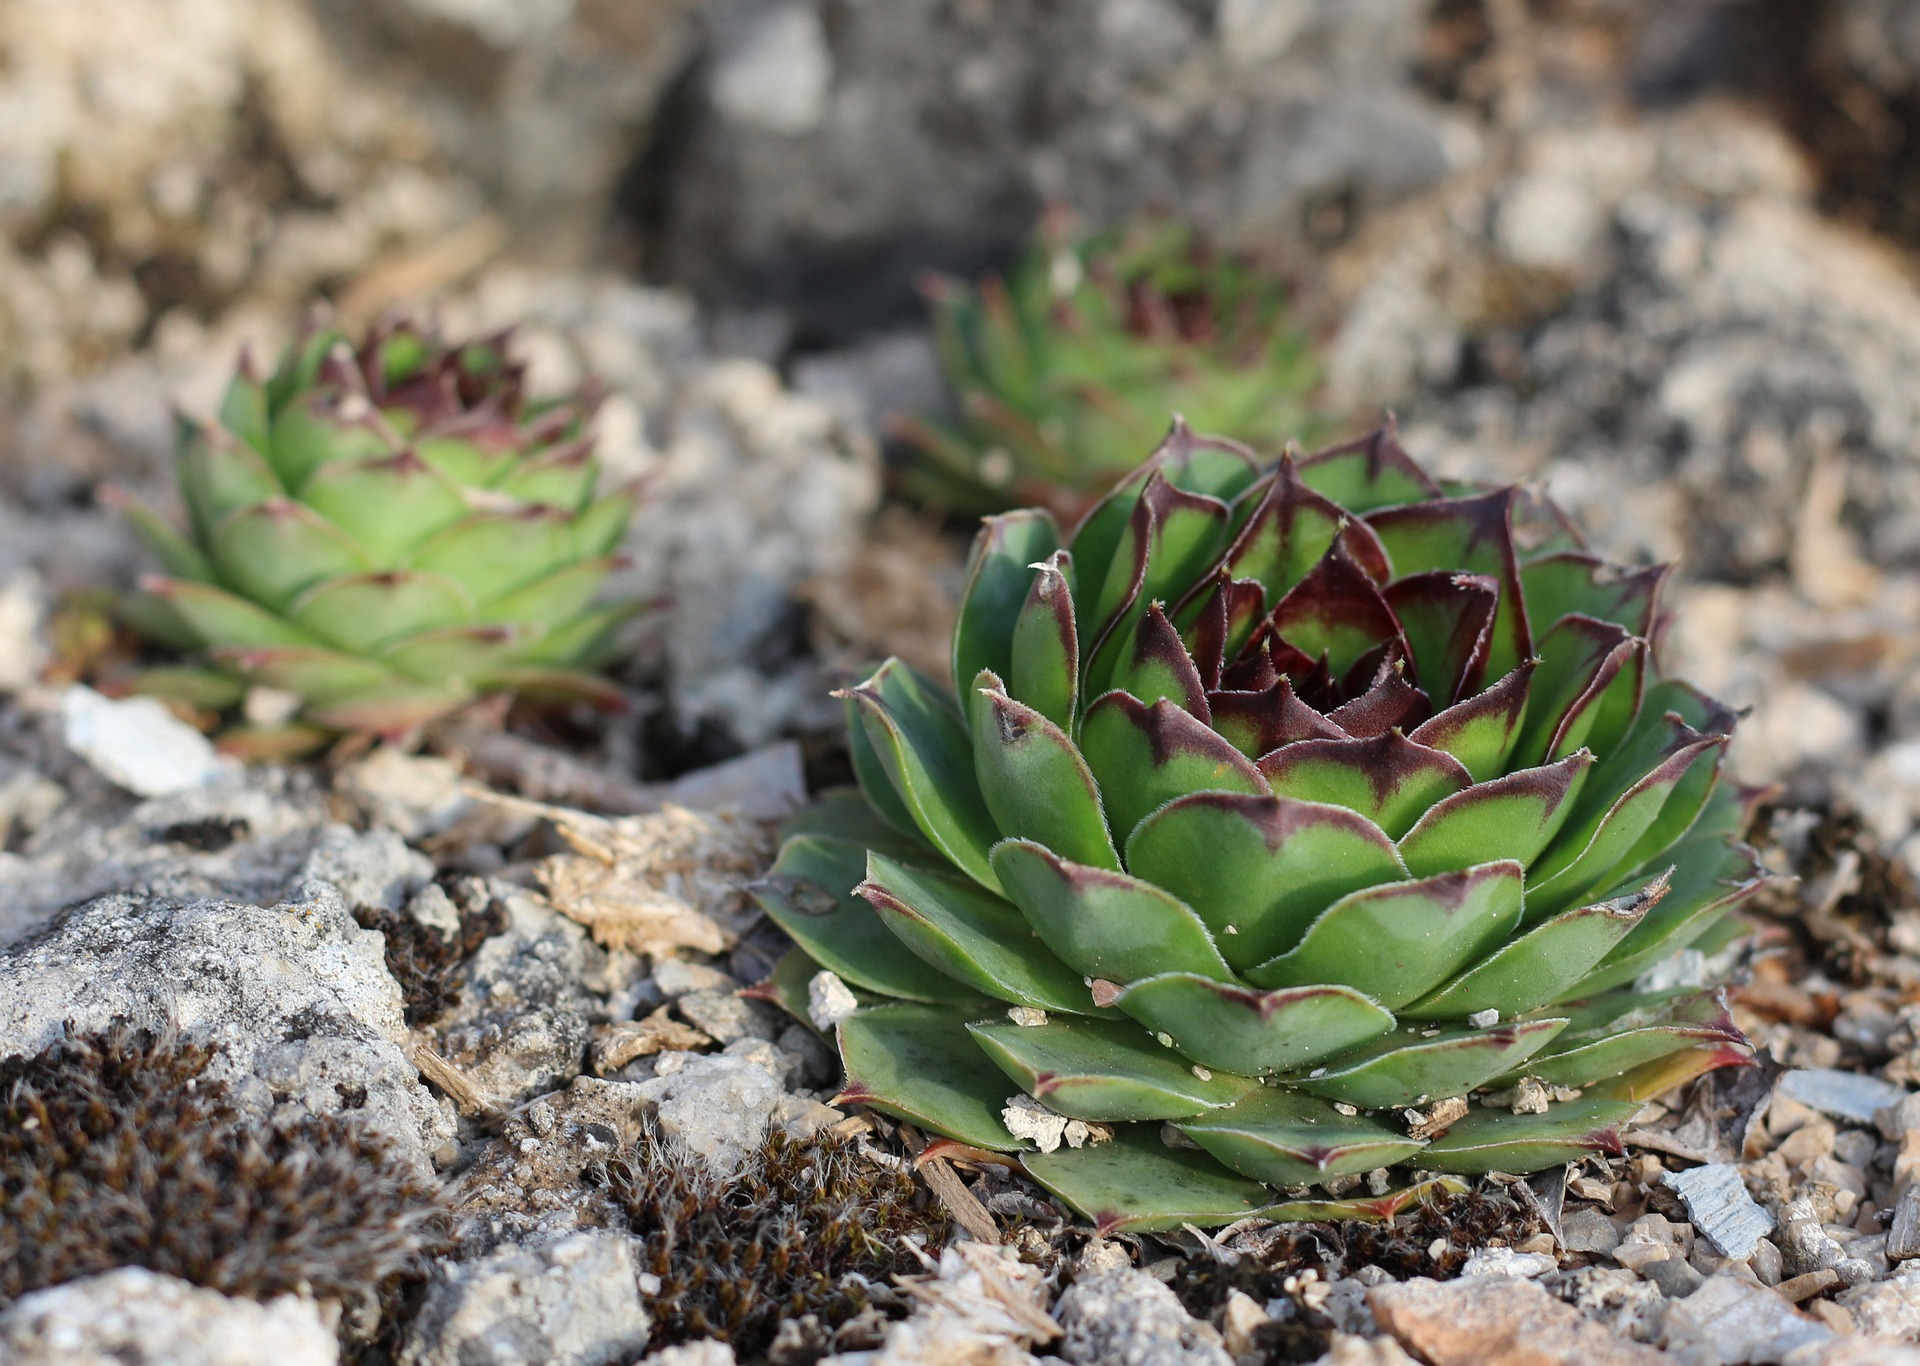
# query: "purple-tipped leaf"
x,y
1000,575
1389,779
1035,783
1044,659
1256,1033
1480,730
1447,619
1509,818
1464,535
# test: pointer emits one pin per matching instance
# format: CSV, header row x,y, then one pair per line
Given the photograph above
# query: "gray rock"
x,y
135,1315
297,996
137,743
708,1352
1903,1238
245,841
1674,1275
1889,1309
676,977
1632,1307
1720,1208
1251,118
572,1302
1127,1317
1806,1246
1588,1230
1504,1261
525,1011
718,1105
726,1017
417,795
375,871
1844,1095
1728,1320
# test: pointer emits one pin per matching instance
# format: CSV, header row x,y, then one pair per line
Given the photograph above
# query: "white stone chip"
x,y
1027,1016
829,1001
1720,1208
1027,1118
1484,1019
137,743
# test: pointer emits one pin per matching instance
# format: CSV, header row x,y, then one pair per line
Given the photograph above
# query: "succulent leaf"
x,y
1316,792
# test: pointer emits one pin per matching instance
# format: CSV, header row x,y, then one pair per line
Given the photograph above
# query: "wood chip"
x,y
961,1203
1806,1287
616,1045
467,1098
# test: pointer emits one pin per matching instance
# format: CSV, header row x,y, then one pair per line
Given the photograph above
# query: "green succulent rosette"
x,y
1083,350
383,533
1277,801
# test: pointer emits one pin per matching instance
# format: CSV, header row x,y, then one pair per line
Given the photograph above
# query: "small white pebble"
x,y
1233,929
1202,1073
1027,1016
1484,1019
1343,1108
1166,1040
1379,1181
1317,1072
829,1001
1428,1033
1413,1117
649,1283
1437,1247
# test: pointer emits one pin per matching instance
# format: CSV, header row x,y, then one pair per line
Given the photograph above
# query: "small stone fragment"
x,y
1588,1230
573,1302
1903,1239
1674,1275
1720,1208
136,1315
1729,1320
1530,1097
1807,1286
1027,1017
1851,1096
1484,1019
1027,1118
616,1045
830,1000
137,743
1127,1316
1437,1117
719,1105
1488,1322
1504,1261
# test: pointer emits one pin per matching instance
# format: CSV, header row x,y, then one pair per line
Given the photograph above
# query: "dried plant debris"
x,y
426,962
116,1150
659,882
1295,1263
1842,898
805,1234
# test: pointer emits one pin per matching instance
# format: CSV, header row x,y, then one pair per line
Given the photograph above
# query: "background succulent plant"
x,y
1083,351
384,533
1276,802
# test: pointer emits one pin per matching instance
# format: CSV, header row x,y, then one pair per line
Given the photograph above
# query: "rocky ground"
x,y
474,1010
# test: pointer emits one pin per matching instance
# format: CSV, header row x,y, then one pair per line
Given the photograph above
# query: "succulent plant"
x,y
1083,352
1275,803
382,534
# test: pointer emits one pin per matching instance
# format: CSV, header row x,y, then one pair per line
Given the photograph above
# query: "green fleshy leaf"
x,y
1541,964
603,523
547,683
1513,817
917,1063
388,506
152,617
1464,535
1035,784
1587,853
809,893
1710,876
1105,1070
1256,1033
1104,924
1585,692
273,551
207,689
314,673
392,709
1336,613
922,748
971,936
875,786
307,436
1372,472
1171,539
218,617
492,553
558,597
362,612
1257,723
1144,757
562,478
1000,575
1480,730
1624,1030
299,364
1285,1138
273,744
1645,746
1389,779
1379,1209
1501,1141
845,814
787,986
1448,621
1045,654
1136,1184
590,640
178,556
455,653
1290,531
1258,869
243,408
466,461
1398,942
1406,1068
1569,582
219,475
1156,664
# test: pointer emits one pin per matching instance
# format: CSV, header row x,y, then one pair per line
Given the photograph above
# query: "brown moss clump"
x,y
1455,1226
803,1229
117,1150
425,962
